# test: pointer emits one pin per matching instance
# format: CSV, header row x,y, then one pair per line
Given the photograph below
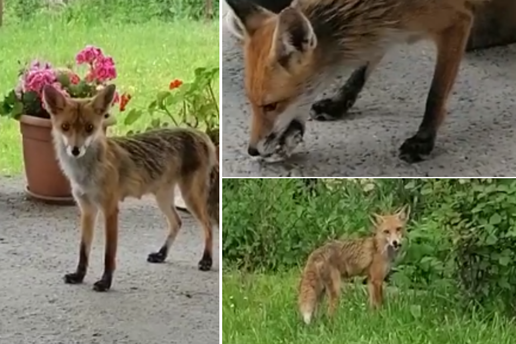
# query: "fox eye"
x,y
386,231
398,229
270,107
89,128
65,126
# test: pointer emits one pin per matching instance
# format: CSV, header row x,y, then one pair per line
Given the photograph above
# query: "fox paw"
x,y
102,285
205,263
156,257
73,278
330,109
416,148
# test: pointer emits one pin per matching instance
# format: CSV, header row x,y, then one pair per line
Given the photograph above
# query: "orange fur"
x,y
342,259
103,171
290,56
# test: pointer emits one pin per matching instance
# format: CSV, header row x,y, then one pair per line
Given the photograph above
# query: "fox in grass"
x,y
370,256
103,171
292,49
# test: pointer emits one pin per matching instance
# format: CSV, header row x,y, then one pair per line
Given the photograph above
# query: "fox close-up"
x,y
292,50
103,171
370,256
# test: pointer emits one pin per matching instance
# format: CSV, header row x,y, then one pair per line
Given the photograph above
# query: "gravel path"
x,y
477,139
148,304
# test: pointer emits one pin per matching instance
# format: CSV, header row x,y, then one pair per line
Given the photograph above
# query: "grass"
x,y
260,309
148,56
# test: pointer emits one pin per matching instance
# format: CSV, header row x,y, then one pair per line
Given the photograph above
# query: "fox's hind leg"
x,y
194,189
337,106
332,287
165,200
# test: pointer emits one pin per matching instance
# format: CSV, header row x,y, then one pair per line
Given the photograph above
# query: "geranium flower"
x,y
175,84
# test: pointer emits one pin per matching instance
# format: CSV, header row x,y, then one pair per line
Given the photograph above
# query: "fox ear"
x,y
403,213
294,36
102,101
376,219
247,16
53,100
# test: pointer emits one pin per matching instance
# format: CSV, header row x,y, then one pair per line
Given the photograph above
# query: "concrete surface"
x,y
477,139
148,304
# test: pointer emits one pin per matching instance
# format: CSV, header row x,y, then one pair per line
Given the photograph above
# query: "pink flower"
x,y
104,69
88,55
35,79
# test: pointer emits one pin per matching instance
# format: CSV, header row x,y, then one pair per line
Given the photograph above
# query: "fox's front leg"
x,y
110,211
88,218
375,287
451,44
337,106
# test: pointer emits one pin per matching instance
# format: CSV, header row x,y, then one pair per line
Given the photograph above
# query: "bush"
x,y
132,11
461,233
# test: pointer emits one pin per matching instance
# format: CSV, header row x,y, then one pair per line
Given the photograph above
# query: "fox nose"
x,y
396,244
252,151
75,151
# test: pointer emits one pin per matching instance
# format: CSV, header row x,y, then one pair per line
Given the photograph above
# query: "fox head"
x,y
279,54
390,229
77,123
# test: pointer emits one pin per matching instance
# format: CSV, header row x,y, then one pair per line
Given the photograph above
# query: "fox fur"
x,y
103,171
370,256
293,48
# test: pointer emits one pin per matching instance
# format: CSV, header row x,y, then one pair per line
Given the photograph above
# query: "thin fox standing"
x,y
291,55
104,171
371,256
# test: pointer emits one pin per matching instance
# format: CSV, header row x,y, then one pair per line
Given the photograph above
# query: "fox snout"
x,y
396,244
277,141
75,151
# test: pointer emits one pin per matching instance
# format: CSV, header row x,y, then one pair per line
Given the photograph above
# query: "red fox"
x,y
370,256
291,53
103,171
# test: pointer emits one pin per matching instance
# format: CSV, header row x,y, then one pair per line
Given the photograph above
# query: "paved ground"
x,y
149,304
477,139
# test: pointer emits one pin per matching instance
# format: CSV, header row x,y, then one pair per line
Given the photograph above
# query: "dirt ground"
x,y
477,138
148,304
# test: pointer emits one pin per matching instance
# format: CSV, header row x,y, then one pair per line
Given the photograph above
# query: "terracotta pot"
x,y
45,180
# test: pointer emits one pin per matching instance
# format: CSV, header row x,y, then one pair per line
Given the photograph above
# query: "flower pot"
x,y
45,180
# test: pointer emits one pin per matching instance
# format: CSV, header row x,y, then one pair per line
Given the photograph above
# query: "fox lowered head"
x,y
390,229
77,123
279,58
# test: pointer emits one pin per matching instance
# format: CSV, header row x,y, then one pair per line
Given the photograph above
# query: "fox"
x,y
293,48
103,171
371,256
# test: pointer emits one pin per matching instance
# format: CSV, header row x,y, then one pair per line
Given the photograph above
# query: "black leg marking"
x,y
158,257
78,276
206,262
334,108
417,147
104,284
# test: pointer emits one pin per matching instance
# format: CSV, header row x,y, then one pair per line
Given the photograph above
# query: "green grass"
x,y
148,56
261,309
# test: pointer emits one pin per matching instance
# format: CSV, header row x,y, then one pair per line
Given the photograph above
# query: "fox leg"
x,y
450,44
337,106
333,291
88,218
375,287
194,189
165,200
110,210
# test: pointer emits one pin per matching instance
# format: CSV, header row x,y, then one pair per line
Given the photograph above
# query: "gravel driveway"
x,y
477,139
148,304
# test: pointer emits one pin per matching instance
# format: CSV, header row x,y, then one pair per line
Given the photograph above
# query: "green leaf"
x,y
155,123
415,310
495,219
132,116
